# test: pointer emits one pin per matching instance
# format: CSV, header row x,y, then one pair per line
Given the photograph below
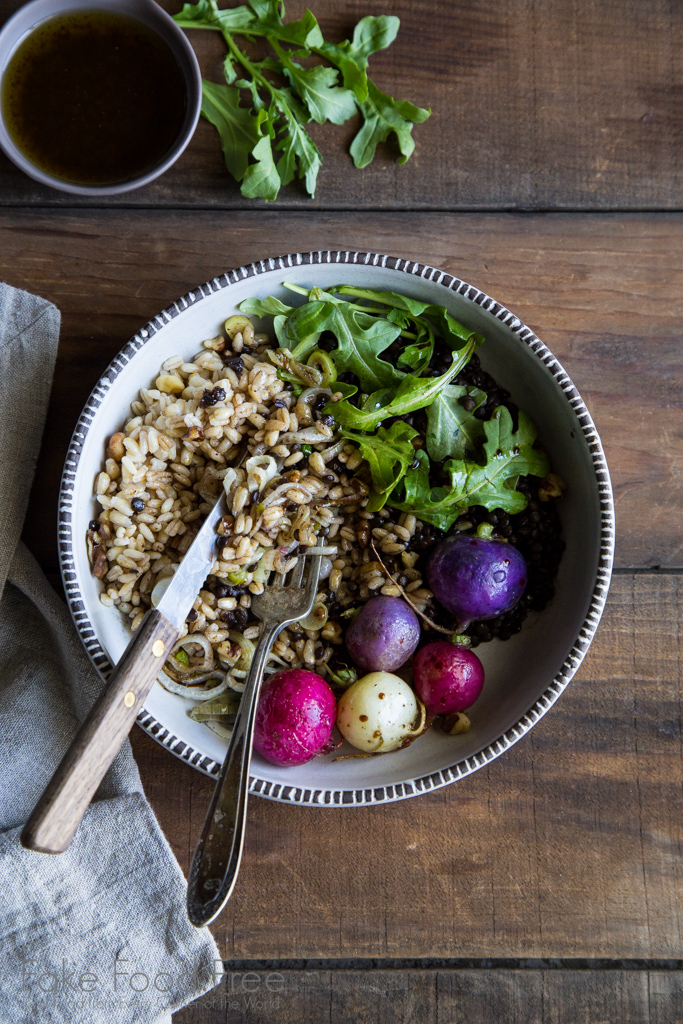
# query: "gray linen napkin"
x,y
99,933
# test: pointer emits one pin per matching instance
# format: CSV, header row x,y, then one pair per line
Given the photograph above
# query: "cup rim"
x,y
13,32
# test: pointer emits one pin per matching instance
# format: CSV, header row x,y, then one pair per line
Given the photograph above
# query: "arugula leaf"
x,y
370,34
418,356
298,150
270,306
452,429
383,115
509,454
450,329
237,127
305,32
318,89
411,394
389,454
360,340
261,179
206,14
430,504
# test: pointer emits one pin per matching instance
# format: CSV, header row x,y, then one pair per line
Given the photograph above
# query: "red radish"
x,y
295,717
447,678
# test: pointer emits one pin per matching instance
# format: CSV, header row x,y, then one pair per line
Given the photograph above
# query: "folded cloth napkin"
x,y
100,932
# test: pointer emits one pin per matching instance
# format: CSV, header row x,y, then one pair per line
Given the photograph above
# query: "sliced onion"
x,y
220,730
278,660
247,649
276,494
217,707
316,618
229,479
310,393
261,469
183,670
329,453
329,550
309,435
159,589
195,692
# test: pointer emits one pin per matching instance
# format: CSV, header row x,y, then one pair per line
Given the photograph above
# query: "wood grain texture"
x,y
604,292
540,105
442,997
569,845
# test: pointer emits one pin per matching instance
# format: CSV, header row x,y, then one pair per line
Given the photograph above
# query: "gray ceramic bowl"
x,y
524,676
15,30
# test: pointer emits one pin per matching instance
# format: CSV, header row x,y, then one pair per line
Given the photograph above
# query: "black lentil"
x,y
235,363
319,403
211,397
137,504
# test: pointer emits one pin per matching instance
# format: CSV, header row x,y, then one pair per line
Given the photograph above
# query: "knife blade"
x,y
181,593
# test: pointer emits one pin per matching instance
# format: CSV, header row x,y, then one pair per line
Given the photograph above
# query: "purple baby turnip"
x,y
477,577
295,717
447,678
384,634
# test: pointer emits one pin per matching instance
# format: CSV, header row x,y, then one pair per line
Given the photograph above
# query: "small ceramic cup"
x,y
15,30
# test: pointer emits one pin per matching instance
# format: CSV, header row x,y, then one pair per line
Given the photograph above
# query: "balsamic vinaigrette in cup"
x,y
94,98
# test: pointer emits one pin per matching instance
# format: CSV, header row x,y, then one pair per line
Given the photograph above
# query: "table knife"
x,y
58,812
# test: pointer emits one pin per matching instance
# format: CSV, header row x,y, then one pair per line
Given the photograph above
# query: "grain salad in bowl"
x,y
358,424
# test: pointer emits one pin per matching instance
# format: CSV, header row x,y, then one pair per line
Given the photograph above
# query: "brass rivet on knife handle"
x,y
59,810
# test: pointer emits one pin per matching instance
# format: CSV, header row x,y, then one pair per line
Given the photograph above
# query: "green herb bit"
x,y
238,577
183,657
344,677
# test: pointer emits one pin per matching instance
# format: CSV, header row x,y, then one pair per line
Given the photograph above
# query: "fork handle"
x,y
217,857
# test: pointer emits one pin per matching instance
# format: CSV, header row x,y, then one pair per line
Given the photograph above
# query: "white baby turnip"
x,y
379,713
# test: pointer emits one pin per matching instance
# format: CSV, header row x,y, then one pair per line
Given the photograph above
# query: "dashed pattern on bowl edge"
x,y
398,791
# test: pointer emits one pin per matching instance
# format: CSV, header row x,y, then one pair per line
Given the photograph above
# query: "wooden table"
x,y
546,887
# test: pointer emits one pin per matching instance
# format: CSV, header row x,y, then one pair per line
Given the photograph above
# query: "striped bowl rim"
x,y
426,783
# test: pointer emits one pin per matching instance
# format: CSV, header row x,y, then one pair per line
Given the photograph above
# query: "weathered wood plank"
x,y
535,106
605,292
443,996
567,846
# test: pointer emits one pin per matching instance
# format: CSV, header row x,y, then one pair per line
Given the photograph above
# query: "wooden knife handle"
x,y
59,810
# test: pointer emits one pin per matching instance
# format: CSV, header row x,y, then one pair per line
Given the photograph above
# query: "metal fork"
x,y
217,857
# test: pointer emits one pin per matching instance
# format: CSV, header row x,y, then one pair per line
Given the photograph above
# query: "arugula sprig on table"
x,y
481,459
261,112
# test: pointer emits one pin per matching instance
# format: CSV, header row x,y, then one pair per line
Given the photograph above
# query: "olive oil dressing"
x,y
94,98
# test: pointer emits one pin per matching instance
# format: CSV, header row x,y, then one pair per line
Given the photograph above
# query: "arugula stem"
x,y
248,66
282,54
